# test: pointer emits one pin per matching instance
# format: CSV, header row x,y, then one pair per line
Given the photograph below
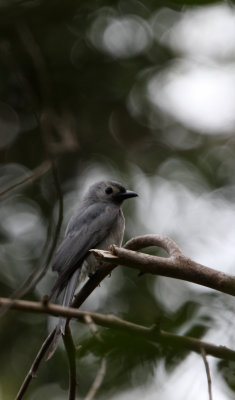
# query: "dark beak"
x,y
126,195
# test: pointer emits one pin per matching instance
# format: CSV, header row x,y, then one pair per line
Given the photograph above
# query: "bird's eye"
x,y
109,190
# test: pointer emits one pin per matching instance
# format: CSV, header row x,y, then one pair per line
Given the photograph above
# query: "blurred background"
x,y
142,92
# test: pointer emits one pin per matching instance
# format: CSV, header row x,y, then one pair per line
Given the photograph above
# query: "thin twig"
x,y
98,380
102,369
34,51
71,355
36,173
88,319
208,375
60,214
34,367
113,322
39,273
49,122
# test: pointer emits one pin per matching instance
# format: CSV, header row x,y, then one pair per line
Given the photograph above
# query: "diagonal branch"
x,y
102,369
35,277
98,380
33,370
92,284
31,176
85,291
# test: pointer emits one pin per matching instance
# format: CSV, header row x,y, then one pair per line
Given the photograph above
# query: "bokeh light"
x,y
199,96
120,36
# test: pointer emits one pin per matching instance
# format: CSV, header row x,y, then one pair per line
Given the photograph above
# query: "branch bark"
x,y
39,273
71,353
176,266
84,292
31,176
102,369
152,333
32,373
98,380
208,375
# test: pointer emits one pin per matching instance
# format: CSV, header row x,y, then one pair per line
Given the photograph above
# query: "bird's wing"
x,y
85,231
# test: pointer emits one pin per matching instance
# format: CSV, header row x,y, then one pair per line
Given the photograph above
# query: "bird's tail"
x,y
60,327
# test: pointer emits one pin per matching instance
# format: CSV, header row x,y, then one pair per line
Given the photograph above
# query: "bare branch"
x,y
38,274
92,283
168,244
92,326
71,354
208,375
98,380
34,367
176,266
36,173
49,120
85,291
101,371
151,333
60,214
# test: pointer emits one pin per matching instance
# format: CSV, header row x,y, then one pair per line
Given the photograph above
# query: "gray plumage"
x,y
98,223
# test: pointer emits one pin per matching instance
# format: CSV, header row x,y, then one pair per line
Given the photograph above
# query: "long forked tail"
x,y
60,327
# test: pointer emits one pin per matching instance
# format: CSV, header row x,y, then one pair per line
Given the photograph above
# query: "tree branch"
x,y
36,173
38,274
98,380
34,367
151,333
49,122
71,353
60,214
85,291
208,375
92,283
176,266
102,369
93,327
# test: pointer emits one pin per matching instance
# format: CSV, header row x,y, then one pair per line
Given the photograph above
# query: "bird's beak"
x,y
127,195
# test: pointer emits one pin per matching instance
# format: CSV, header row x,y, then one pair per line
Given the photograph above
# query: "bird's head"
x,y
109,192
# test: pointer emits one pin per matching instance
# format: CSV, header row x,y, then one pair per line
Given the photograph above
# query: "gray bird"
x,y
98,223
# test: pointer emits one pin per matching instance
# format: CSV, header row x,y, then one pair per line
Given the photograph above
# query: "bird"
x,y
98,223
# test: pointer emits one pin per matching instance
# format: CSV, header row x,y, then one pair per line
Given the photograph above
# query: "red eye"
x,y
109,190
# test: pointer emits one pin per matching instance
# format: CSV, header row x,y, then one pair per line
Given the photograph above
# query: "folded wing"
x,y
85,231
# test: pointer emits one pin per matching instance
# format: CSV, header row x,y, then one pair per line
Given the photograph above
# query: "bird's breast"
x,y
114,236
